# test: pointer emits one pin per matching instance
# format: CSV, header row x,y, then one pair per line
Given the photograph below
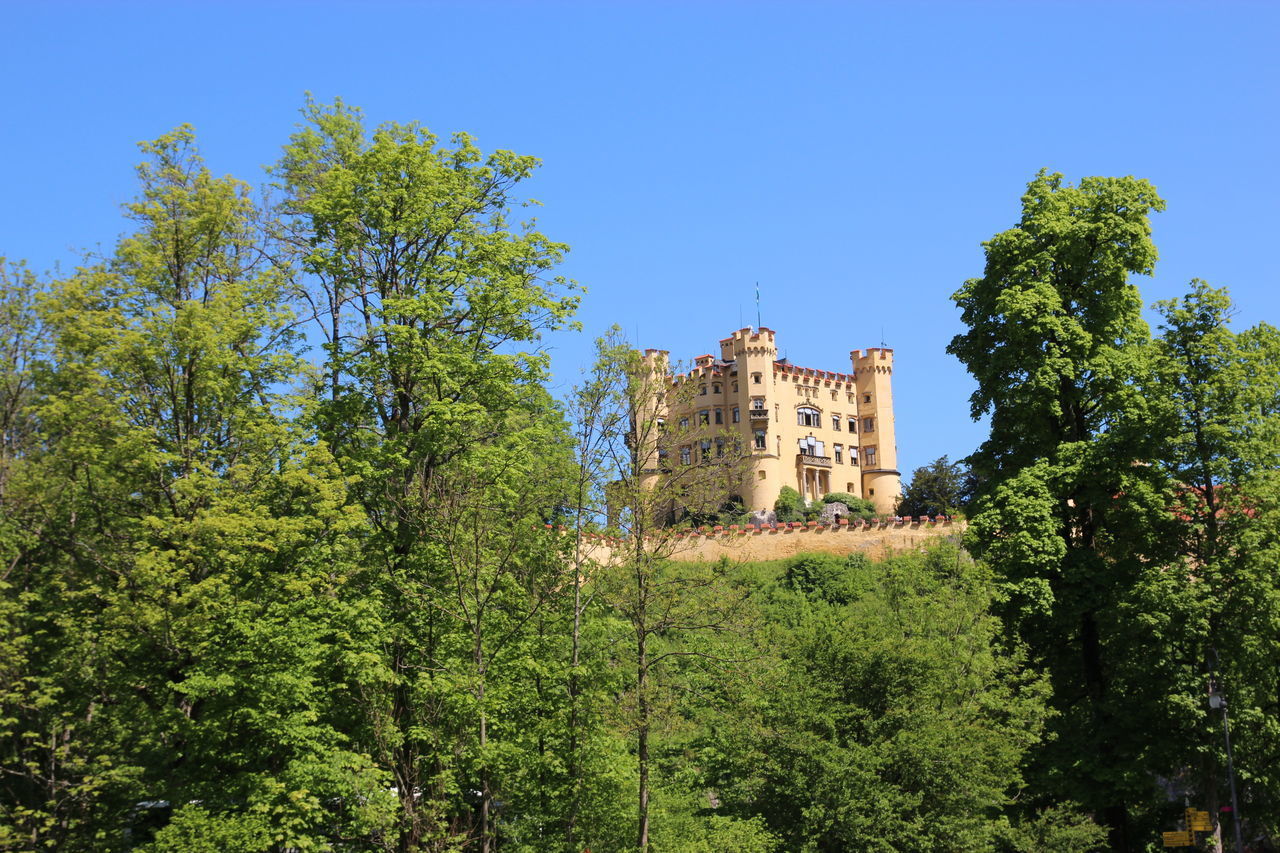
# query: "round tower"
x,y
876,439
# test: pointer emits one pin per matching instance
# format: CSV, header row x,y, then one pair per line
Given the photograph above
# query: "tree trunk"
x,y
642,743
571,818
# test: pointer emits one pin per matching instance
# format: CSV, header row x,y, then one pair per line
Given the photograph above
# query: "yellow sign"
x,y
1179,839
1198,821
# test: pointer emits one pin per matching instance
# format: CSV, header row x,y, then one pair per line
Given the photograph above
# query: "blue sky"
x,y
850,157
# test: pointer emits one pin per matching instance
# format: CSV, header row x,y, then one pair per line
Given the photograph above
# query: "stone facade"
x,y
817,431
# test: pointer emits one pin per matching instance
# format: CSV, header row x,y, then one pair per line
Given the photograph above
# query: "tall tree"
x,y
939,488
433,303
1219,406
179,585
1056,343
650,485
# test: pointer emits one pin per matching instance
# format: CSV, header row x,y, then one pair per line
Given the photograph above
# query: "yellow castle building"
x,y
817,431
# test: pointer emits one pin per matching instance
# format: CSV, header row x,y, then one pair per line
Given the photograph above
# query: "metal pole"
x,y
1231,777
1218,699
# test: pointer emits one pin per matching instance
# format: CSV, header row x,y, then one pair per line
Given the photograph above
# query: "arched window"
x,y
808,416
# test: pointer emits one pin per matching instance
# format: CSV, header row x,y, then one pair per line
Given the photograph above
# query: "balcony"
x,y
758,415
816,461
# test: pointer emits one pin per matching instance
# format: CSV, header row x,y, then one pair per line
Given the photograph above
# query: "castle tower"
x,y
876,439
751,400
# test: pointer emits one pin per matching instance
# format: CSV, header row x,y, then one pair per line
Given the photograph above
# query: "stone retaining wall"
x,y
752,543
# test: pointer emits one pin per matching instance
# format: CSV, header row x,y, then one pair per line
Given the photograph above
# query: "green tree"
x,y
789,506
1066,511
1219,395
881,714
667,607
433,304
179,607
935,489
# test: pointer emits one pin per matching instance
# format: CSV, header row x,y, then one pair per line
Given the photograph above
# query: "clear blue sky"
x,y
848,156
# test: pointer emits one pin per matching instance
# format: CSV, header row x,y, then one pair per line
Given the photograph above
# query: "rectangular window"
x,y
835,422
705,447
702,392
868,424
760,436
719,447
839,453
704,417
869,455
684,423
719,416
853,424
735,414
853,456
755,378
685,455
866,398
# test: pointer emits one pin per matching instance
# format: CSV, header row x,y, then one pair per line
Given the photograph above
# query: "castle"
x,y
817,431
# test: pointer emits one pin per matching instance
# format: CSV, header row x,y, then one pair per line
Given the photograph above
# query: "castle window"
x,y
757,404
806,416
839,452
704,417
853,424
835,422
719,447
735,386
756,379
760,474
719,416
866,398
705,447
702,391
853,456
686,455
736,418
869,455
760,437
716,388
868,424
684,423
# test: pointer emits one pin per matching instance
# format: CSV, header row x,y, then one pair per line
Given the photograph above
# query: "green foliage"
x,y
828,578
789,506
880,717
938,488
1057,829
858,507
1067,511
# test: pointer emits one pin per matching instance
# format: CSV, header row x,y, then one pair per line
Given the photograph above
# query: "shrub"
x,y
789,506
858,507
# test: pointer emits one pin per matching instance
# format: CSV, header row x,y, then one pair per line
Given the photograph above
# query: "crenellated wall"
x,y
752,543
